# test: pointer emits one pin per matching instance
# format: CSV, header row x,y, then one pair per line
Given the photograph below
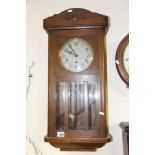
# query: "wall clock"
x,y
77,80
122,59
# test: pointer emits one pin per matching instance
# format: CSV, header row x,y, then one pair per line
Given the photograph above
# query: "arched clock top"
x,y
75,18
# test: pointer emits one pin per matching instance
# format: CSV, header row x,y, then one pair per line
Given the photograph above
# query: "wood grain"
x,y
91,27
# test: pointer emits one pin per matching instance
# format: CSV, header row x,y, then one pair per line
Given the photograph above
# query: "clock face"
x,y
126,59
76,55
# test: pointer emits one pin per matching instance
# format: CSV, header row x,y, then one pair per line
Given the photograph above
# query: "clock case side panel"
x,y
103,82
51,88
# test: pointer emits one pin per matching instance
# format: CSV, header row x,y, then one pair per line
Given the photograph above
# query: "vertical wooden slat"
x,y
72,97
104,121
92,105
60,106
86,105
89,106
65,100
75,104
94,108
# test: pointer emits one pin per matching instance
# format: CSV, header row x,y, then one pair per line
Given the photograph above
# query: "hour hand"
x,y
72,50
69,52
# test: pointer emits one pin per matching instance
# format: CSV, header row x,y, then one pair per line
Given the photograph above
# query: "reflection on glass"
x,y
91,105
60,106
81,105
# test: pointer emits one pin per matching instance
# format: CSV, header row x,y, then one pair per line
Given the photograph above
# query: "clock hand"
x,y
72,50
69,52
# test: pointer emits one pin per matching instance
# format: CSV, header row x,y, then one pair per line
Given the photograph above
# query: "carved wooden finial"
x,y
72,14
75,18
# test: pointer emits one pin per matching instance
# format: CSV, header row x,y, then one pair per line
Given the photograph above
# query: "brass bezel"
x,y
81,40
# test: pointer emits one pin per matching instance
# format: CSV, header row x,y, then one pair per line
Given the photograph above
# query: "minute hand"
x,y
72,50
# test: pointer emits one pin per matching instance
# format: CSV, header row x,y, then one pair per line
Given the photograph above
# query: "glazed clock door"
x,y
77,83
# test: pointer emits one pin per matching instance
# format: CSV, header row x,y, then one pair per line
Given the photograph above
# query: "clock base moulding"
x,y
78,144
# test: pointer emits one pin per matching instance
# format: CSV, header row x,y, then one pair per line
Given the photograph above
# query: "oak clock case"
x,y
77,80
122,59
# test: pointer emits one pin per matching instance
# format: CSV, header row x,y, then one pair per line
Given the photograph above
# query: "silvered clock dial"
x,y
76,55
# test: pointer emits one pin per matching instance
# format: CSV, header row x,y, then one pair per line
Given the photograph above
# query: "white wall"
x,y
37,51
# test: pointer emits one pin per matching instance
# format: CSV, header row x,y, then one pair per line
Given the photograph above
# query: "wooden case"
x,y
77,102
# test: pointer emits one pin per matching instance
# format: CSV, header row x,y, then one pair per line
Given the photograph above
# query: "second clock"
x,y
122,59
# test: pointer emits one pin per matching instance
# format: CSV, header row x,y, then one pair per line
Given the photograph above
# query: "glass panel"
x,y
81,111
76,106
91,105
60,106
82,106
